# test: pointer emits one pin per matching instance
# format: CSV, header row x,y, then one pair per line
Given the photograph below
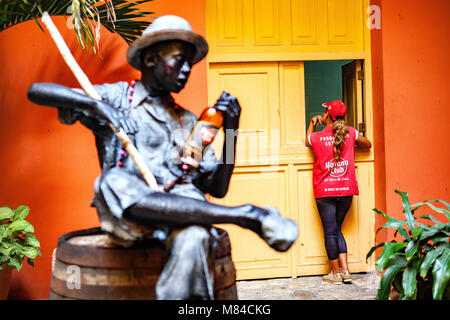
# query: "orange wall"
x,y
52,167
411,95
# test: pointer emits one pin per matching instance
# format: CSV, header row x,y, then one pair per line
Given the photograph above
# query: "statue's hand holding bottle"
x,y
231,110
226,112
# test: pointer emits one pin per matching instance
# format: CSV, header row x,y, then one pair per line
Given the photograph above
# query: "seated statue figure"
x,y
180,217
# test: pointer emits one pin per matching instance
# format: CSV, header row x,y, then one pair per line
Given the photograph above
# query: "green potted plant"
x,y
419,266
17,242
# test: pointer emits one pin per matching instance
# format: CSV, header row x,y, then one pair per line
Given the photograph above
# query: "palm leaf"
x,y
441,275
118,16
389,249
430,258
396,264
407,209
409,281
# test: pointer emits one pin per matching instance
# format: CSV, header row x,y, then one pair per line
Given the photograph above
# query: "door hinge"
x,y
360,75
362,128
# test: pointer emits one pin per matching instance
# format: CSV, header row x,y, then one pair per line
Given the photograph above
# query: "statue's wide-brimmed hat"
x,y
166,28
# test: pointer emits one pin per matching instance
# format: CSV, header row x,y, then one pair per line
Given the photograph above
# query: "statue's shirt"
x,y
163,128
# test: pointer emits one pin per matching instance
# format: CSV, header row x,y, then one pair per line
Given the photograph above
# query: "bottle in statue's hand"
x,y
201,136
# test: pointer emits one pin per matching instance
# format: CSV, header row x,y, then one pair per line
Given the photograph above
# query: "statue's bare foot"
x,y
279,233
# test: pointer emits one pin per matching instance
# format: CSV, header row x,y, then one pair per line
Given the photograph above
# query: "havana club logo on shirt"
x,y
337,167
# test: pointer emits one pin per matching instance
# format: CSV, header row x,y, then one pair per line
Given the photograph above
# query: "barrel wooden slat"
x,y
224,273
102,277
55,296
99,292
107,271
229,293
223,244
106,255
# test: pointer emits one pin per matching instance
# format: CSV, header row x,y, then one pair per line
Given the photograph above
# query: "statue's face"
x,y
170,64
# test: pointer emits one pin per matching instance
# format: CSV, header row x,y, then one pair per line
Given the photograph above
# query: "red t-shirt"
x,y
331,177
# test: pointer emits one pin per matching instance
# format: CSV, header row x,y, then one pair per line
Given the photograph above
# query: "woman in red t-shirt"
x,y
334,180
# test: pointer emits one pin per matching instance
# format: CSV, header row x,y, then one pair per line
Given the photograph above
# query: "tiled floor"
x,y
363,287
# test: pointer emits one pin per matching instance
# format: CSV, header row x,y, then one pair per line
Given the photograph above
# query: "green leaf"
x,y
4,232
440,210
428,217
445,203
411,249
372,250
428,233
388,277
30,252
31,240
393,223
439,239
441,275
30,262
118,16
389,249
406,209
403,232
415,232
409,282
5,251
15,262
21,212
21,225
429,260
6,213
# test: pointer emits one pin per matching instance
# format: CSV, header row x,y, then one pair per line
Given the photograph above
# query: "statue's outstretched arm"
x,y
55,95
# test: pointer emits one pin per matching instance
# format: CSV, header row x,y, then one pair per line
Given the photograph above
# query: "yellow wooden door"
x,y
255,179
257,54
274,168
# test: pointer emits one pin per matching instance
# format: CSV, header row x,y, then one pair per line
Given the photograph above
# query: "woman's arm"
x,y
363,142
317,120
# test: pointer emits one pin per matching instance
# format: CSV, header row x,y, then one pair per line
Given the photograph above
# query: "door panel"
x,y
292,109
282,29
267,22
256,86
263,186
357,227
230,28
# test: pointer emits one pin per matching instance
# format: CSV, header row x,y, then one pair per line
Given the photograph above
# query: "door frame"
x,y
365,57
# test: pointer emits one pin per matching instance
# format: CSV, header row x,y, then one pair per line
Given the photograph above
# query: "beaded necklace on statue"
x,y
123,153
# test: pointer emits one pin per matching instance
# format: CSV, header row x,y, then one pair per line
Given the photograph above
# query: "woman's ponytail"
x,y
340,131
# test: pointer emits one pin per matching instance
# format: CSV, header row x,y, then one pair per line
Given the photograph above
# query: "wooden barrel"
x,y
88,266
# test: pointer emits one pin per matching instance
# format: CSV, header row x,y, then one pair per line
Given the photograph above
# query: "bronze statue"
x,y
180,217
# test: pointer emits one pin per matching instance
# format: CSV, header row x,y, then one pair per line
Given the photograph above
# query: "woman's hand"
x,y
316,121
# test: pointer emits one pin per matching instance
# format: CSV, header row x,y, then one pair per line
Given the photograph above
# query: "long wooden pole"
x,y
90,91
